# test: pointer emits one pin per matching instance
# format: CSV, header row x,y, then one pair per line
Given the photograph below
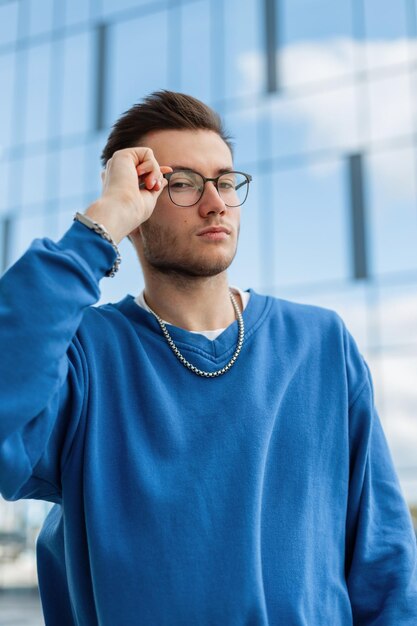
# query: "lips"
x,y
213,230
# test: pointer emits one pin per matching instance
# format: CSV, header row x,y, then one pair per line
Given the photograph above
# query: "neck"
x,y
190,303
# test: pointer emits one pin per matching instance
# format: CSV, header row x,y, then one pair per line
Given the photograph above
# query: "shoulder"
x,y
301,316
108,324
111,312
321,332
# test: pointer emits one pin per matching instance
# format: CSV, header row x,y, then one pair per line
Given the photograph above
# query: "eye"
x,y
181,184
183,181
227,183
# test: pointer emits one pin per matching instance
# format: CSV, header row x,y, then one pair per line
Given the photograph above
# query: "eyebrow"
x,y
221,170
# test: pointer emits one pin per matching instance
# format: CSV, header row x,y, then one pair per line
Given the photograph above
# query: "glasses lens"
x,y
185,188
233,188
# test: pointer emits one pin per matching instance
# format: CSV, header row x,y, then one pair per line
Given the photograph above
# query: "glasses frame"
x,y
215,180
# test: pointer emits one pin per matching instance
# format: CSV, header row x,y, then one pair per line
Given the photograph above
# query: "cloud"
x,y
394,370
308,61
324,106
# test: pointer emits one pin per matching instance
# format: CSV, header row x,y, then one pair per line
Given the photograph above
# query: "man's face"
x,y
179,239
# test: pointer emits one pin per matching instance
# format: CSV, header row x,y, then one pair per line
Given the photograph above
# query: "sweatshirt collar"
x,y
145,322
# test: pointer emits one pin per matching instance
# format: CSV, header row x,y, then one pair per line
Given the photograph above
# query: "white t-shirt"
x,y
210,334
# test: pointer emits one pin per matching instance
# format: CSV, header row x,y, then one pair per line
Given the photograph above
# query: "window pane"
x,y
392,200
33,179
195,68
78,80
19,572
243,128
317,40
246,269
76,11
65,217
13,191
52,179
110,6
287,130
390,107
26,181
321,120
398,315
41,13
72,172
309,20
408,481
309,221
386,32
7,84
4,169
131,75
386,53
37,99
93,165
243,60
399,411
8,22
29,227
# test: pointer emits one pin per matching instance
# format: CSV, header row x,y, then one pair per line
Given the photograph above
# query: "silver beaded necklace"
x,y
193,368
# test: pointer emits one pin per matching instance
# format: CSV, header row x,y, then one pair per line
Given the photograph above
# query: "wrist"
x,y
101,230
100,212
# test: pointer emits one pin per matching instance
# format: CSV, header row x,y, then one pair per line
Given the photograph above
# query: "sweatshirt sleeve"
x,y
381,561
42,300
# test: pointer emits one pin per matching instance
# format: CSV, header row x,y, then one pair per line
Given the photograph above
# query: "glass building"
x,y
321,98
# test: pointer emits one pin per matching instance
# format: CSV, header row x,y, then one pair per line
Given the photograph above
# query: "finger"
x,y
161,183
141,154
152,176
151,182
157,186
151,164
138,154
147,166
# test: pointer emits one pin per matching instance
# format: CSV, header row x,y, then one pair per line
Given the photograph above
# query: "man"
x,y
215,455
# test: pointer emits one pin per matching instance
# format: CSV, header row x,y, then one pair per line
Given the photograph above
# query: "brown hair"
x,y
162,110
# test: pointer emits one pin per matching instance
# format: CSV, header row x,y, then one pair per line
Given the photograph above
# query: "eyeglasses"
x,y
186,187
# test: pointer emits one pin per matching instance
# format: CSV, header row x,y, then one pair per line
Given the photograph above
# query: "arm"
x,y
42,301
381,560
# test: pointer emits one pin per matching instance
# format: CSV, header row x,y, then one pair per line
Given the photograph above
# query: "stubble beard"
x,y
159,249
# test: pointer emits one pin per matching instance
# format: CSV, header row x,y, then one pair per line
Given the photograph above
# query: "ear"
x,y
102,174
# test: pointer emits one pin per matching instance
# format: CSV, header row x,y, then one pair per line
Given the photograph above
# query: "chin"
x,y
193,268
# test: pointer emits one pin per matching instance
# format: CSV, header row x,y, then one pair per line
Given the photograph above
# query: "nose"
x,y
210,201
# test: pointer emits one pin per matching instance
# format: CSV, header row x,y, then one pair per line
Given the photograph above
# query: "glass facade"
x,y
321,98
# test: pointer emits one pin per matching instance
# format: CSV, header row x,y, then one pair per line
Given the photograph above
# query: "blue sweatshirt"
x,y
266,496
